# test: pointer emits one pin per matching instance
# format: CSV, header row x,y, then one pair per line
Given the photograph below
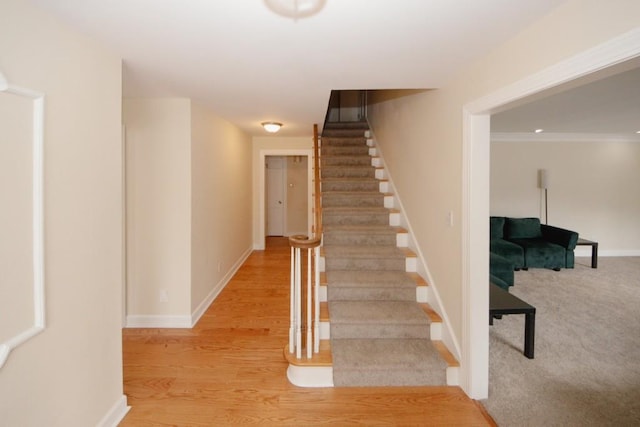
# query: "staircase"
x,y
380,334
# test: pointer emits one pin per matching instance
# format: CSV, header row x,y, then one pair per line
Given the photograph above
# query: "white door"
x,y
275,182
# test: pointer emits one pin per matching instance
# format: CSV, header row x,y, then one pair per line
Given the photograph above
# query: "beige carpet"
x,y
586,370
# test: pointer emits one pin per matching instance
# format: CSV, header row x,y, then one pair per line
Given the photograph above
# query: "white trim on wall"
x,y
204,305
37,218
563,137
475,212
116,414
187,321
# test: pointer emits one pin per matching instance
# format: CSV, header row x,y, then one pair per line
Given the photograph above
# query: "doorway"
x,y
286,195
476,159
275,181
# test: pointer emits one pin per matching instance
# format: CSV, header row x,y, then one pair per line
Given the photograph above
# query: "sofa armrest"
x,y
560,236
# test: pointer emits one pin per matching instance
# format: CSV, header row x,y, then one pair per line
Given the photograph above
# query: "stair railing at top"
x,y
312,246
317,231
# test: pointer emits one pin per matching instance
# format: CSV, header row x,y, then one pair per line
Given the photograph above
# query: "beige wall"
x,y
158,135
421,133
272,146
220,202
188,207
71,373
592,188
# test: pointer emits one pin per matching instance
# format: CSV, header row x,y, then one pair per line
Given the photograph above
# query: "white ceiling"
x,y
609,105
248,64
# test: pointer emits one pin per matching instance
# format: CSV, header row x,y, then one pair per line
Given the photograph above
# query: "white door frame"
x,y
474,376
261,187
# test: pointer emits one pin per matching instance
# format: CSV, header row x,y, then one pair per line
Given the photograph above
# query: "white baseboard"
x,y
609,253
204,305
116,414
158,321
186,321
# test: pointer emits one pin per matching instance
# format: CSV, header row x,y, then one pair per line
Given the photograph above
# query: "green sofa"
x,y
528,244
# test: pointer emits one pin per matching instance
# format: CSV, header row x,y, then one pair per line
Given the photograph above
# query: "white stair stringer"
x,y
424,294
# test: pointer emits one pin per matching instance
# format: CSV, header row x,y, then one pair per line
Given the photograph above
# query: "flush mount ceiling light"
x,y
271,127
539,130
295,8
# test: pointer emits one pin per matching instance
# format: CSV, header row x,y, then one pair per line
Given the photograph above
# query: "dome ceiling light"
x,y
271,127
295,8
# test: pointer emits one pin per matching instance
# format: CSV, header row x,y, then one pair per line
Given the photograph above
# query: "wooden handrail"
x,y
318,204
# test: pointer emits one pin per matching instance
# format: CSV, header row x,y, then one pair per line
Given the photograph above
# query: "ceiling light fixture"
x,y
271,127
539,130
295,8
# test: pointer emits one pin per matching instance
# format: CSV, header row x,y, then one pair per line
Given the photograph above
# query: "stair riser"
x,y
371,264
342,172
372,185
345,151
346,161
400,377
356,219
352,200
352,239
338,133
371,294
344,141
372,331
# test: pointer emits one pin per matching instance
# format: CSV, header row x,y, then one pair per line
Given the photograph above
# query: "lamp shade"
x,y
543,178
271,127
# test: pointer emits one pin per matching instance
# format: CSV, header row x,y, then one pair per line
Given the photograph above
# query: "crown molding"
x,y
563,137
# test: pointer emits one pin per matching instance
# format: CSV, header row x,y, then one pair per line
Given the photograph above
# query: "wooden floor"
x,y
230,369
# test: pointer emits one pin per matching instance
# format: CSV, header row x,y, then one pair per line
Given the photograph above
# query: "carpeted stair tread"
x,y
364,252
377,312
350,172
353,184
344,150
387,362
369,229
345,140
352,199
355,216
362,160
369,235
370,286
356,279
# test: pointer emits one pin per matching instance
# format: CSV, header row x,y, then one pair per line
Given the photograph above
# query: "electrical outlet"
x,y
164,297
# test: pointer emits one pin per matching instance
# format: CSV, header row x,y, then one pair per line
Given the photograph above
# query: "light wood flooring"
x,y
230,369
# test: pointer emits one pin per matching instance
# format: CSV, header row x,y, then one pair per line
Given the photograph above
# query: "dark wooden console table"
x,y
502,302
594,250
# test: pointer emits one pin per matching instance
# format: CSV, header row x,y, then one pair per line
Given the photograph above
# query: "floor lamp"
x,y
543,182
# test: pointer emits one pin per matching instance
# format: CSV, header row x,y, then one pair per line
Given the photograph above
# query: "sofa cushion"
x,y
542,254
499,282
523,228
496,227
514,253
502,268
